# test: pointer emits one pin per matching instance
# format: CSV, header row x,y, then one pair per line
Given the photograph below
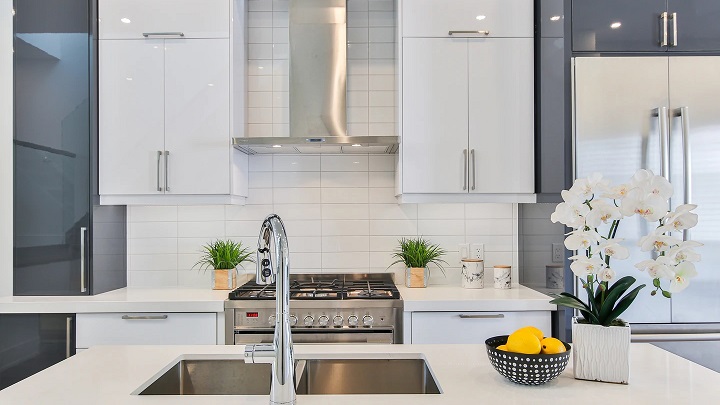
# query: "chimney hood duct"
x,y
318,84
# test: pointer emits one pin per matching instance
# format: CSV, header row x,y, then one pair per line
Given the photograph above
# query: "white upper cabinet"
x,y
165,123
467,102
133,19
437,18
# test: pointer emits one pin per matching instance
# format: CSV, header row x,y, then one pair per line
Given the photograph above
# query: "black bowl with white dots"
x,y
526,369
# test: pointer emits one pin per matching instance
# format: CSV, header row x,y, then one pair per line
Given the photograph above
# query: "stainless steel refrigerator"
x,y
660,113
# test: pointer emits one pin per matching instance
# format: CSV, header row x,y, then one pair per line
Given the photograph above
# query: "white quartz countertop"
x,y
122,300
433,298
109,375
454,298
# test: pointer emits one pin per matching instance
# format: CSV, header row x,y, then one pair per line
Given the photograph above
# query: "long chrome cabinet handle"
x,y
465,170
159,156
163,34
83,233
492,316
486,33
474,171
68,336
664,131
664,20
143,317
167,173
684,114
675,29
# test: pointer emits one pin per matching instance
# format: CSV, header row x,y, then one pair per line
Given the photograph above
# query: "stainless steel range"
x,y
324,308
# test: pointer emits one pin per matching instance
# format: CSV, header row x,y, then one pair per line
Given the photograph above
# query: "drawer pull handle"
x,y
494,316
163,34
469,32
144,317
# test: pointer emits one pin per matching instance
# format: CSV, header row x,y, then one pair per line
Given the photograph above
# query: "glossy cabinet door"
x,y
695,88
197,121
435,115
131,109
698,25
500,18
501,106
134,19
30,343
617,25
472,327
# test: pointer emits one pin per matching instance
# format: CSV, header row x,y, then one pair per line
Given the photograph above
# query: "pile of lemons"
x,y
530,340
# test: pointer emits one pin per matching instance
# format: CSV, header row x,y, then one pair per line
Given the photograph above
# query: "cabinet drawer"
x,y
472,327
130,19
145,329
435,18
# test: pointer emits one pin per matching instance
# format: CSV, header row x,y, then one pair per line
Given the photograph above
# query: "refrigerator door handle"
x,y
662,115
684,114
675,337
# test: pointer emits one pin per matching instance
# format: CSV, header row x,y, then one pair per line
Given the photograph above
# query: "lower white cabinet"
x,y
472,327
145,329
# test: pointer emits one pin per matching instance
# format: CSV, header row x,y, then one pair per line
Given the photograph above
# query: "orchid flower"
x,y
683,273
657,241
572,211
589,186
583,266
612,248
684,252
681,219
606,274
579,239
650,206
655,268
618,192
601,212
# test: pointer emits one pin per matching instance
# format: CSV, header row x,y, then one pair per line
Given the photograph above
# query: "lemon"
x,y
550,345
523,341
502,347
535,331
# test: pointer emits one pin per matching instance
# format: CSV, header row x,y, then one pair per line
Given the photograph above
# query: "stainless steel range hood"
x,y
318,72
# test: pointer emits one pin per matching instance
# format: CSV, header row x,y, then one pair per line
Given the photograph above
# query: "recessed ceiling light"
x,y
277,146
125,20
356,145
615,25
128,79
211,85
480,17
555,18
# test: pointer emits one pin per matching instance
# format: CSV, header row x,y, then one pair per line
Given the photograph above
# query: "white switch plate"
x,y
477,251
464,249
558,249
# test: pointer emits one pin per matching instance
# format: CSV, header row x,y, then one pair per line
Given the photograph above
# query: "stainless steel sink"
x,y
365,376
212,377
314,377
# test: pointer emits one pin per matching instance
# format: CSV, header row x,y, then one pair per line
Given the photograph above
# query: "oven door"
x,y
377,336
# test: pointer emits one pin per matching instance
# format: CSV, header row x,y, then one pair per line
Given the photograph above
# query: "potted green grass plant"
x,y
223,257
417,255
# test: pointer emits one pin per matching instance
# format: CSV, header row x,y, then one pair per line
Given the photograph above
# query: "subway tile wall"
x,y
340,213
370,76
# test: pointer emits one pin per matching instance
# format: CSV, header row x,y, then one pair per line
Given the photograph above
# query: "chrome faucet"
x,y
275,268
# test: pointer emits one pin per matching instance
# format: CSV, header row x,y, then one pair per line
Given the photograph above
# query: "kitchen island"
x,y
112,374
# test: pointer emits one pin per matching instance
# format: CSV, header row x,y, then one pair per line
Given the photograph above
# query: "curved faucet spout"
x,y
273,266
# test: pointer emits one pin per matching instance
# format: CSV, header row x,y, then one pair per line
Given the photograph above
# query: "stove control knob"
x,y
368,320
293,320
324,320
308,320
338,320
353,320
271,320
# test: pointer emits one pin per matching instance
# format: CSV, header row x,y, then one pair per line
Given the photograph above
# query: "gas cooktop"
x,y
324,287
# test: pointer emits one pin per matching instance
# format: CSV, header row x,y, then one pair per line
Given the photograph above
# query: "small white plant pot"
x,y
601,353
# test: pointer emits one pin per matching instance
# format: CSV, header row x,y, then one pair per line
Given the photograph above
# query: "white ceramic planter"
x,y
601,353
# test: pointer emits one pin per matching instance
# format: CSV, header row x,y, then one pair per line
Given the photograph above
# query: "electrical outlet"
x,y
464,249
558,251
478,251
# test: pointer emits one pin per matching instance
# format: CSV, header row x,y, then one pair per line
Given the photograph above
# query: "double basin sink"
x,y
313,377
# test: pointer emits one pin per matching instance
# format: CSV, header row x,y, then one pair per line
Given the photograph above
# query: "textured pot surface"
x,y
416,277
601,353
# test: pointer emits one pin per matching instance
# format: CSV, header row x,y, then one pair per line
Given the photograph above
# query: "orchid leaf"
x,y
623,304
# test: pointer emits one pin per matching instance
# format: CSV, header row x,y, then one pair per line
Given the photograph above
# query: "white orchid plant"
x,y
594,208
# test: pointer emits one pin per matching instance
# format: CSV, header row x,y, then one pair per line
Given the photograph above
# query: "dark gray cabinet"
x,y
64,242
30,343
645,25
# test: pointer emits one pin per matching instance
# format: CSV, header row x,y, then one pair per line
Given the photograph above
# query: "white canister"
x,y
554,276
473,273
502,277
